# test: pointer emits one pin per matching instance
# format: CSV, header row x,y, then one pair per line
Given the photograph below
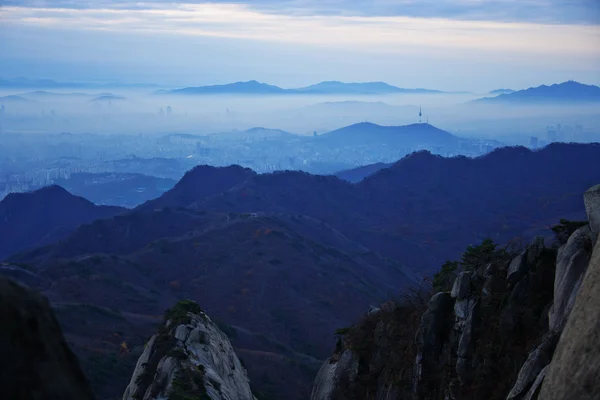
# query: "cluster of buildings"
x,y
558,133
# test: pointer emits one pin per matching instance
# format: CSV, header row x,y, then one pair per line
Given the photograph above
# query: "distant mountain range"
x,y
107,98
501,91
328,87
566,92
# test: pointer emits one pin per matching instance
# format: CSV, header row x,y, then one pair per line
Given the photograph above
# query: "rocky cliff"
x,y
494,329
189,357
36,363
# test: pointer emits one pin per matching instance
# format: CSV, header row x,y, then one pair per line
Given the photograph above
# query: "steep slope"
x,y
189,357
570,91
490,331
43,216
36,361
199,183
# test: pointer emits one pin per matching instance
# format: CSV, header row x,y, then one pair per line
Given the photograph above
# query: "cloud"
x,y
390,34
540,11
296,42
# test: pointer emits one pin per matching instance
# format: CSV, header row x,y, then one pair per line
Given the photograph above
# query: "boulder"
x,y
571,264
462,286
333,377
464,365
509,315
534,391
591,199
534,365
524,261
36,361
575,367
431,336
516,268
534,250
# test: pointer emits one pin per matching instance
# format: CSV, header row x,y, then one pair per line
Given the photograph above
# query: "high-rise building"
x,y
533,142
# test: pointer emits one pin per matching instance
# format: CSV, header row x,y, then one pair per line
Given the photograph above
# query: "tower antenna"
x,y
420,114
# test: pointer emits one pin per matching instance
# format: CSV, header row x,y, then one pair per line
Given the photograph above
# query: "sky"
x,y
472,45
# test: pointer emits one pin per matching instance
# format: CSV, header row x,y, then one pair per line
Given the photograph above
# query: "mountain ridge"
x,y
569,91
325,87
43,216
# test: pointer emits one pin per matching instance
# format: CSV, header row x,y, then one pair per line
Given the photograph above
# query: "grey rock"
x,y
462,309
591,199
466,338
575,367
571,264
534,391
334,375
535,363
462,286
524,261
205,348
181,333
465,344
517,265
464,370
534,250
516,299
431,336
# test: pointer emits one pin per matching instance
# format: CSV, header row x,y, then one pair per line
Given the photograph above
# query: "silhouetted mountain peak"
x,y
199,183
413,135
570,91
200,172
48,194
44,215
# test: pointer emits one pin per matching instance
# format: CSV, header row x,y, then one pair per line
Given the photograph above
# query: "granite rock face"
x,y
571,264
36,362
334,375
591,200
189,356
575,368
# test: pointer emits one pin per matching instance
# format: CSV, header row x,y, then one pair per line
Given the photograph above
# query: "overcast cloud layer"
x,y
453,45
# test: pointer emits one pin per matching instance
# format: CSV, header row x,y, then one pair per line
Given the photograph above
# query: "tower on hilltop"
x,y
420,114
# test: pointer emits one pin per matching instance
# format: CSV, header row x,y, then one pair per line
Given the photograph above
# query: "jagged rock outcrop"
x,y
36,363
334,376
571,263
189,357
575,368
495,332
591,200
432,334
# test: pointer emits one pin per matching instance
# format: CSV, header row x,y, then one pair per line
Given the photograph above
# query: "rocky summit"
x,y
188,358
